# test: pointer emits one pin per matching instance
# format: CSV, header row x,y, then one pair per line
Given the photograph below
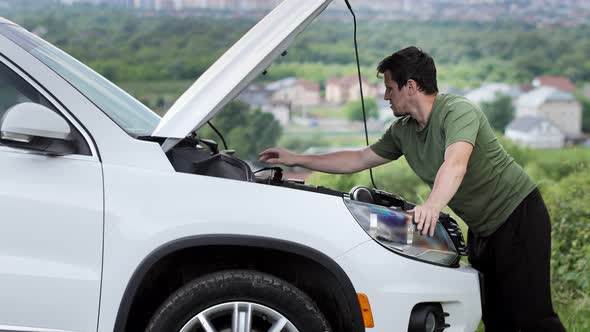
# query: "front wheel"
x,y
238,301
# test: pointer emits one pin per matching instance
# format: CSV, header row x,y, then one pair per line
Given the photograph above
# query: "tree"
x,y
499,112
246,130
585,114
354,109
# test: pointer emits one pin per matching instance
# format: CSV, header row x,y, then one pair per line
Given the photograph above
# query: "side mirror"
x,y
35,127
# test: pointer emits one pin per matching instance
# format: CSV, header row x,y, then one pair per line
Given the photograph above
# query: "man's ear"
x,y
412,87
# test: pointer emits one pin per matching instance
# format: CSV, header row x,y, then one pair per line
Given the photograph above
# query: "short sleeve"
x,y
461,124
387,146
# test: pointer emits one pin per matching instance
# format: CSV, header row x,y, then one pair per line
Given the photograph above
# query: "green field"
x,y
326,112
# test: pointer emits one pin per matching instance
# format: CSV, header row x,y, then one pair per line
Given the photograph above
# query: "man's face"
x,y
397,99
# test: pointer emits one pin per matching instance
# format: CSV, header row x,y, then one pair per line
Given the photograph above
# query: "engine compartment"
x,y
203,158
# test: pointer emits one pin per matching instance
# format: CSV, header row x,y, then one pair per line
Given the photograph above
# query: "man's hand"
x,y
278,156
447,181
426,217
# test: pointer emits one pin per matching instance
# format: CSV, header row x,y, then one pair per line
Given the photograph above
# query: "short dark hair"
x,y
411,63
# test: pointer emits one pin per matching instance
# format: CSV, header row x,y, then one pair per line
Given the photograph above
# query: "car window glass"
x,y
15,90
128,113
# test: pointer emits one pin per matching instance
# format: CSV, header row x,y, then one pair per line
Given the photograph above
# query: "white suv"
x,y
113,220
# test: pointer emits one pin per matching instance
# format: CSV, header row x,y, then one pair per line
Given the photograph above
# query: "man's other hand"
x,y
426,217
278,156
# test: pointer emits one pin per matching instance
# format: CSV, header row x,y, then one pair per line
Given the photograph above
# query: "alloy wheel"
x,y
239,317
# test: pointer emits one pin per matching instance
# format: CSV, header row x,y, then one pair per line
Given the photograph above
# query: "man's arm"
x,y
447,181
342,162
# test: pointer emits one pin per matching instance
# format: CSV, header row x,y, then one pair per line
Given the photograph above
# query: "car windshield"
x,y
131,115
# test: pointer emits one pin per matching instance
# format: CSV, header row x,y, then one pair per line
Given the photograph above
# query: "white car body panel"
x,y
146,209
239,66
51,241
403,283
76,228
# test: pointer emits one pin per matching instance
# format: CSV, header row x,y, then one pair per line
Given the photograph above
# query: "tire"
x,y
211,294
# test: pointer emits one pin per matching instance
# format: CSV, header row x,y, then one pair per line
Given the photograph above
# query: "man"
x,y
450,145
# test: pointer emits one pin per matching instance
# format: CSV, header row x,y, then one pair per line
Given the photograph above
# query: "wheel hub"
x,y
239,317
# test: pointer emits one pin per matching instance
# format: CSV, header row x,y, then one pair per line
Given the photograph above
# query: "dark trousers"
x,y
514,261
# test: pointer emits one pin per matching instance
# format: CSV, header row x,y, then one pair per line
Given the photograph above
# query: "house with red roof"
x,y
295,92
559,82
557,107
341,90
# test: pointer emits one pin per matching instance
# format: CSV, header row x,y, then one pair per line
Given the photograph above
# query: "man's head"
x,y
408,74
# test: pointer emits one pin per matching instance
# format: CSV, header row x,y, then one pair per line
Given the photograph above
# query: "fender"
x,y
236,240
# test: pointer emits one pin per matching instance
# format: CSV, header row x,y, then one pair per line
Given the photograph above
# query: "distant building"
x,y
535,132
228,4
559,107
280,110
296,92
559,82
119,3
194,4
256,95
168,4
341,90
489,92
145,4
450,89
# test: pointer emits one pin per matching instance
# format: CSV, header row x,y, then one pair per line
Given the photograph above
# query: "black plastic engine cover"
x,y
224,166
187,157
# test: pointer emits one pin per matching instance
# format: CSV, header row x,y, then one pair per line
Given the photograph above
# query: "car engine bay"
x,y
202,157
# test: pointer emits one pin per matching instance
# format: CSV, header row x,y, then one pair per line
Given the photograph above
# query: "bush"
x,y
567,201
499,111
521,155
354,109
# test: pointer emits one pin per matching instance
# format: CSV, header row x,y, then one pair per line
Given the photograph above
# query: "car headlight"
x,y
395,230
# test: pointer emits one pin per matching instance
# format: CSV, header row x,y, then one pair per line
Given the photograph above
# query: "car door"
x,y
51,224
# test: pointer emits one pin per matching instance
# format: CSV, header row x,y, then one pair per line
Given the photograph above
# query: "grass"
x,y
569,154
575,315
326,112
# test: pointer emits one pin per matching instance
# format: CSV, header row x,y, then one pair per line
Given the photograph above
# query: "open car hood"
x,y
238,67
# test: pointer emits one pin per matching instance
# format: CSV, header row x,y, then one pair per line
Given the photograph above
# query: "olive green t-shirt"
x,y
494,184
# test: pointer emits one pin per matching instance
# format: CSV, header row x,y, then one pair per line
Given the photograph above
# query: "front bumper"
x,y
395,284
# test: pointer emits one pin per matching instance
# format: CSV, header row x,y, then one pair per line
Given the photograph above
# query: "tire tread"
x,y
217,280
